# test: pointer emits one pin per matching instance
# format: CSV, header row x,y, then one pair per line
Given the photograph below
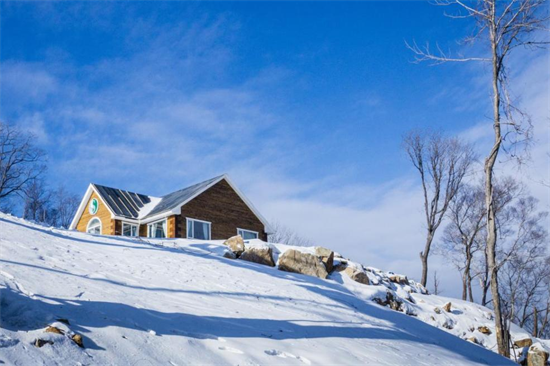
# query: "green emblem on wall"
x,y
94,205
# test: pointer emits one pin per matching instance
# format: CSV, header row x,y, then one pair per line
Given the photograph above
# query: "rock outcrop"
x,y
304,263
259,255
536,356
357,275
236,244
327,257
524,342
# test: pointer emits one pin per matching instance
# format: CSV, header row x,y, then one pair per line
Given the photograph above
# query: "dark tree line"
x,y
22,168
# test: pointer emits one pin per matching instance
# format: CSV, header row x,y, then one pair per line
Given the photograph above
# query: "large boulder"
x,y
304,263
537,356
327,256
523,342
357,275
259,255
236,244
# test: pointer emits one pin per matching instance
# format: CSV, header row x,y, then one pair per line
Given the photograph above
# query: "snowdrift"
x,y
180,302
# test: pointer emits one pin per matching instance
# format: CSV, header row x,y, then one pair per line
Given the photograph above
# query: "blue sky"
x,y
303,103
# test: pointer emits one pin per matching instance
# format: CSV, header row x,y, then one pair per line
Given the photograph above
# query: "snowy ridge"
x,y
180,302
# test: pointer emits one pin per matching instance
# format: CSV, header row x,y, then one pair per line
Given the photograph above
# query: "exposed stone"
x,y
402,280
77,338
327,256
472,339
236,244
64,321
449,324
357,275
536,356
56,330
390,301
41,342
340,267
304,263
484,330
437,310
447,307
525,342
229,254
259,255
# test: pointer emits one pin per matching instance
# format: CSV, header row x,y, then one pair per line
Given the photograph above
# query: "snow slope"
x,y
179,302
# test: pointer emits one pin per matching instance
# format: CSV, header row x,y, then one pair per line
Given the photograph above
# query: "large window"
x,y
157,229
129,229
247,234
197,229
94,226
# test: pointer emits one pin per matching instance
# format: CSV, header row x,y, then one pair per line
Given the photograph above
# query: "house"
x,y
213,209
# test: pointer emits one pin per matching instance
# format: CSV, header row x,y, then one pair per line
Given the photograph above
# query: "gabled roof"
x,y
175,199
122,203
125,204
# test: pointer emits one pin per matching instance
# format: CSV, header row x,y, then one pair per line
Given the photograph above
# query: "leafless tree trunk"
x,y
20,161
442,163
504,26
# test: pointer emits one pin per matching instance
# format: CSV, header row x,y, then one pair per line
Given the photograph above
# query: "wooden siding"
x,y
171,227
223,207
103,214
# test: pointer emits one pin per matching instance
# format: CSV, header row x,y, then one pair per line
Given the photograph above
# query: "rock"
x,y
390,301
437,310
327,256
357,275
259,255
447,307
64,321
525,342
77,338
536,356
236,244
402,280
229,254
472,339
304,263
484,330
41,342
56,330
449,324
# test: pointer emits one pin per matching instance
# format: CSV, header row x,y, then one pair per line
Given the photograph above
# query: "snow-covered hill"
x,y
180,302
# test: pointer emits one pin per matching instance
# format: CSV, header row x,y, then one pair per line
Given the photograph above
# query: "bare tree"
x,y
64,204
20,161
462,238
36,201
503,26
442,163
523,265
284,235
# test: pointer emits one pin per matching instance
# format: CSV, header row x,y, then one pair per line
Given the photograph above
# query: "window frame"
x,y
190,219
136,226
95,218
165,227
249,231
